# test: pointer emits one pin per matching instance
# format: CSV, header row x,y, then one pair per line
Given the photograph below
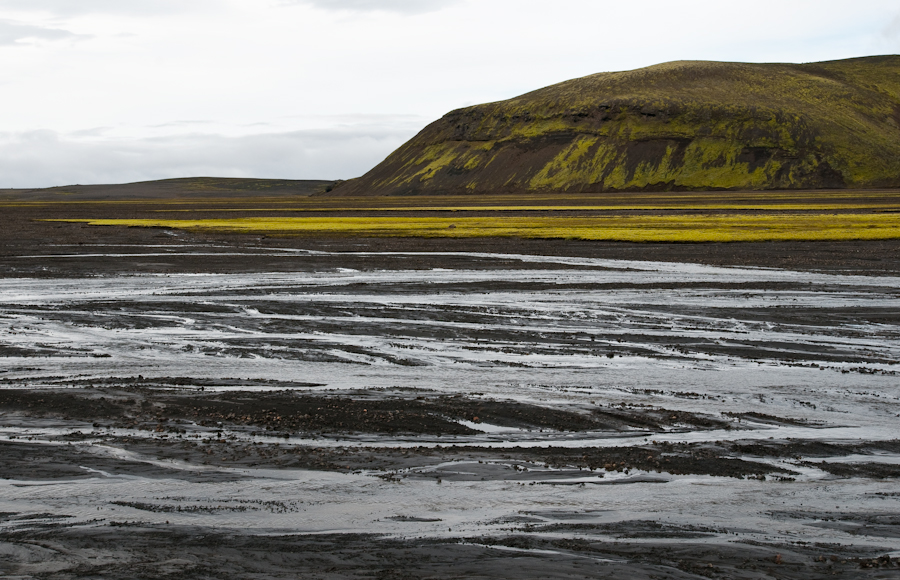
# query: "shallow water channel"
x,y
742,364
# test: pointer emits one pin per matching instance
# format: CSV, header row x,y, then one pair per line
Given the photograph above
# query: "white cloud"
x,y
399,6
46,158
80,7
14,33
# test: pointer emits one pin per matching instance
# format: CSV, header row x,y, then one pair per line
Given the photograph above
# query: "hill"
x,y
185,188
676,126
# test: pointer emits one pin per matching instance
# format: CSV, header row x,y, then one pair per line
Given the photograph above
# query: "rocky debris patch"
x,y
870,470
674,458
797,449
292,412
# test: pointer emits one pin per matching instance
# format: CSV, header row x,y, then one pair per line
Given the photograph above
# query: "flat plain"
x,y
718,217
220,402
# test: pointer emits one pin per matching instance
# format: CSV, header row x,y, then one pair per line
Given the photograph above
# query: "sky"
x,y
115,91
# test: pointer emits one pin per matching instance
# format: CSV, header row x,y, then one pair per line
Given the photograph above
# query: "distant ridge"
x,y
187,188
675,126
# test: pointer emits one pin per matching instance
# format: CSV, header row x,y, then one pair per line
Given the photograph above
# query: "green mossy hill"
x,y
674,126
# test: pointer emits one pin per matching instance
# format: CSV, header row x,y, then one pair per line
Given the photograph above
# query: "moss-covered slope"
x,y
673,126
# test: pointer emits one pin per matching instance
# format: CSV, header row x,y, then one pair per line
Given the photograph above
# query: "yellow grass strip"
x,y
554,208
692,228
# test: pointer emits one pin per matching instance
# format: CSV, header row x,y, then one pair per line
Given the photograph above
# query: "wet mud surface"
x,y
167,551
184,406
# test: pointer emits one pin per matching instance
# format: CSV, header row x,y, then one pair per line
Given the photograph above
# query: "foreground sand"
x,y
177,404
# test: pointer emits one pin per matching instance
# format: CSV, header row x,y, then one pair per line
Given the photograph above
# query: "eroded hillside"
x,y
673,126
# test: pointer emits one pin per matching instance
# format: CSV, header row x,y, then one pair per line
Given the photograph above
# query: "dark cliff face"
x,y
675,126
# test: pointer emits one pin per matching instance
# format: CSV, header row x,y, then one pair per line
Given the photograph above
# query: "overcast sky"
x,y
111,91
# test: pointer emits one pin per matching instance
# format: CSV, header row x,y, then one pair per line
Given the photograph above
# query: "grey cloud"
x,y
92,132
180,124
13,33
892,31
46,158
77,7
361,120
399,6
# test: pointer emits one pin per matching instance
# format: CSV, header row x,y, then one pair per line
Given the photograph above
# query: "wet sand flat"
x,y
178,404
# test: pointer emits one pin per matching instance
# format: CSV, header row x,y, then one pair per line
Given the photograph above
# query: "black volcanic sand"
x,y
121,550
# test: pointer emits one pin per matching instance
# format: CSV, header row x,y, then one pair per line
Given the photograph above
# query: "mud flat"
x,y
205,406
